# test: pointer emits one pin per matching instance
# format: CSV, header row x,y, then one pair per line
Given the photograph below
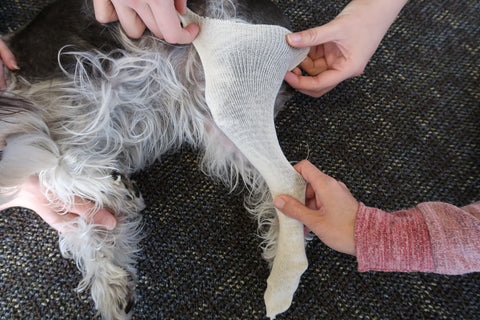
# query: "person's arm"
x,y
432,237
341,48
159,16
31,197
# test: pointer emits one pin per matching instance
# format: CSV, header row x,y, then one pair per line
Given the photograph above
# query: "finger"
x,y
104,218
325,79
309,192
296,210
130,21
316,93
315,85
88,211
144,12
297,71
316,61
3,83
314,66
313,37
167,20
306,230
310,197
317,52
63,223
291,77
7,56
181,6
104,11
311,204
311,174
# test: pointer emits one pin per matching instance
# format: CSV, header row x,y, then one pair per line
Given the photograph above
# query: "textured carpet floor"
x,y
404,132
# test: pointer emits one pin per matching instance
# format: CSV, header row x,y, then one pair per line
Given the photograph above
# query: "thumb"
x,y
294,209
313,37
104,218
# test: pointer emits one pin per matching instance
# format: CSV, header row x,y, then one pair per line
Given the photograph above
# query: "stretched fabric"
x,y
244,66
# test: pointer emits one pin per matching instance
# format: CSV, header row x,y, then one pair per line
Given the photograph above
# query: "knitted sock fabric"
x,y
244,67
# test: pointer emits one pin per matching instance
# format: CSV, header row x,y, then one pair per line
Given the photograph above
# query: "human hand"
x,y
31,197
330,210
7,58
341,48
159,16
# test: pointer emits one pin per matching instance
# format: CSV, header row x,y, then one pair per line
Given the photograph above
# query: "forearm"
x,y
380,14
386,10
432,237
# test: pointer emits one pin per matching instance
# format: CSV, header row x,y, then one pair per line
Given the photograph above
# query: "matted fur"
x,y
84,132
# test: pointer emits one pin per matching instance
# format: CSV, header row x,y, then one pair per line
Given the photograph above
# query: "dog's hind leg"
x,y
244,67
107,262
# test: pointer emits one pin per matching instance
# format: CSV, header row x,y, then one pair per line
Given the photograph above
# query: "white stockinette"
x,y
244,66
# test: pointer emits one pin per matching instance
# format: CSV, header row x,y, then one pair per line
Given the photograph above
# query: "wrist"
x,y
26,196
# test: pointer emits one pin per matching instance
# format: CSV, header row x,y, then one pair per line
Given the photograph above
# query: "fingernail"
x,y
279,203
15,66
294,38
110,223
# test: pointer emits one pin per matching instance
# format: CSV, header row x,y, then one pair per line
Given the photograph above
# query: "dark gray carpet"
x,y
404,132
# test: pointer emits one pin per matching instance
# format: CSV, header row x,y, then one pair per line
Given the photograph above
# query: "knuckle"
x,y
310,35
133,34
359,70
303,163
172,38
102,17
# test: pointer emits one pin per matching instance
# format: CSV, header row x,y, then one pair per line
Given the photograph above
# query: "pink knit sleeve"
x,y
454,236
432,237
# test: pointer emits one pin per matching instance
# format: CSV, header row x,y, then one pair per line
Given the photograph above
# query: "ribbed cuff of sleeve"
x,y
396,241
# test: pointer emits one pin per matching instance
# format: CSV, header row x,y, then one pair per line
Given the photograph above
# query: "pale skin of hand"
x,y
341,49
159,16
330,210
31,197
7,58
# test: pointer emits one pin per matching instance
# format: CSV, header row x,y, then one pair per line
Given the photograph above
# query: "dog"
x,y
90,107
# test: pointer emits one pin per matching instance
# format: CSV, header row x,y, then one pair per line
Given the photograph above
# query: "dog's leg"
x,y
244,68
106,260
